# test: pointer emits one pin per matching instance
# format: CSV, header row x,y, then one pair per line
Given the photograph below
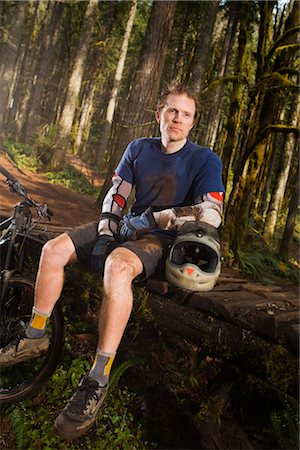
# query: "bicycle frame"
x,y
19,224
19,221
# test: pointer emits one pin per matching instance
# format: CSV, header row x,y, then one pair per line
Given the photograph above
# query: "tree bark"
x,y
287,236
68,113
201,56
117,81
10,49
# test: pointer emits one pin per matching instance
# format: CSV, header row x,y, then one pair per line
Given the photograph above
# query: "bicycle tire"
x,y
14,391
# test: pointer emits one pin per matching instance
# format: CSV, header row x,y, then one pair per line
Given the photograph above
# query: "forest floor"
x,y
172,380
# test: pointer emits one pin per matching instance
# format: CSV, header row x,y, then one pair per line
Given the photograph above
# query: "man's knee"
x,y
122,263
59,251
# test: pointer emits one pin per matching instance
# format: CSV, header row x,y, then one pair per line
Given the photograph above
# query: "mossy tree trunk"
x,y
235,101
263,111
287,237
282,175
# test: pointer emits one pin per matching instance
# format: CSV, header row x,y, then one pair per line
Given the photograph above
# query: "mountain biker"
x,y
175,180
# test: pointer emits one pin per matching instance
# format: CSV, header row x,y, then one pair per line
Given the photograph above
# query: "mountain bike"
x,y
21,241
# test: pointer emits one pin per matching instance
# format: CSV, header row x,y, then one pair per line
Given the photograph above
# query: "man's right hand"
x,y
100,251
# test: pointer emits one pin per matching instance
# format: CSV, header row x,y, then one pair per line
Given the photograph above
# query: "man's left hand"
x,y
133,226
102,248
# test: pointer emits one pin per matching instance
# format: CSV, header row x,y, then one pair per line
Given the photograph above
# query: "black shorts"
x,y
152,248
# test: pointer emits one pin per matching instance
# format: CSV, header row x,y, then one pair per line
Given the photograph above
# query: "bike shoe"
x,y
81,412
22,349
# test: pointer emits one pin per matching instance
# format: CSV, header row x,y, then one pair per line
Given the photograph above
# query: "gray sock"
x,y
101,367
37,325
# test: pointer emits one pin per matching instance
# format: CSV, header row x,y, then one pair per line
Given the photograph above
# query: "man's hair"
x,y
176,88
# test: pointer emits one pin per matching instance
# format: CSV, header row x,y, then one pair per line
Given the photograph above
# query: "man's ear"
x,y
157,116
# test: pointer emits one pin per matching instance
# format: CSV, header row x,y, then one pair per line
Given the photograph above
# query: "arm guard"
x,y
113,205
208,209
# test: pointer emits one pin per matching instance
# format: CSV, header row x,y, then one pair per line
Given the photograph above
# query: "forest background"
x,y
81,78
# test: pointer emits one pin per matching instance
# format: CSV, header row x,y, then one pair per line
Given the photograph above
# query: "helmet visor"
x,y
195,253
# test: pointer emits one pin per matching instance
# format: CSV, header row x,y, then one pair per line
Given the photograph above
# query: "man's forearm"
x,y
113,206
208,210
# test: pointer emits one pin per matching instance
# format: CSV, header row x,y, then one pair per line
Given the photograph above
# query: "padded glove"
x,y
104,245
133,226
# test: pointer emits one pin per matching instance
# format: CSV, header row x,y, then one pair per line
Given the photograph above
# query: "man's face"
x,y
176,118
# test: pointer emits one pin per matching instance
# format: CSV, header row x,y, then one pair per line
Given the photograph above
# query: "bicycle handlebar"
x,y
15,186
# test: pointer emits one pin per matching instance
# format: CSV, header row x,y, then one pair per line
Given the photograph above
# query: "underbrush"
x,y
30,423
259,265
25,157
73,180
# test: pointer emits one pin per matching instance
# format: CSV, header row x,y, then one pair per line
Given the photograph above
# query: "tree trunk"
x,y
215,109
287,236
201,56
263,110
29,65
284,168
117,81
139,106
45,63
68,113
235,101
10,51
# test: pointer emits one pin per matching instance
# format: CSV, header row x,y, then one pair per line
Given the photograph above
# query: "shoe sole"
x,y
38,351
79,431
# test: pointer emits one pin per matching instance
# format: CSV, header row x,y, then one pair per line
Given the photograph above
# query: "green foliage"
x,y
115,428
118,372
260,265
22,155
73,180
19,424
285,423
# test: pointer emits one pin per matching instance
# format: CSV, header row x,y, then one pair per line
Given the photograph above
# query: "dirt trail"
x,y
69,208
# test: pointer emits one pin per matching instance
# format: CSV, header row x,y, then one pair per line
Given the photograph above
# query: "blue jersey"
x,y
165,180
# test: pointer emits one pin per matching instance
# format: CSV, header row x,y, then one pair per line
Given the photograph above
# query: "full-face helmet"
x,y
194,260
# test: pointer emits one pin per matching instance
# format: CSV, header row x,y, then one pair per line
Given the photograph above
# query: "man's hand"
x,y
100,251
133,226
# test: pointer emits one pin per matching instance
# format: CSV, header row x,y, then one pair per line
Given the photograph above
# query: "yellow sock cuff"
x,y
39,319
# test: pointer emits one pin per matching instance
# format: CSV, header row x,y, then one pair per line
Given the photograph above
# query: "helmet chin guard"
x,y
194,260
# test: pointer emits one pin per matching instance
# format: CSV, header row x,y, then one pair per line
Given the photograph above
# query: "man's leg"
x,y
121,268
55,255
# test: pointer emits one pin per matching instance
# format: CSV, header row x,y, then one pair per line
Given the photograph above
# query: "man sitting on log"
x,y
175,181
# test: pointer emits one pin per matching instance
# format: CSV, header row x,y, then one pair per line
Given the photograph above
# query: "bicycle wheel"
x,y
21,380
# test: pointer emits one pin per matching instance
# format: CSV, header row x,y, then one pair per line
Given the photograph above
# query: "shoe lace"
x,y
84,393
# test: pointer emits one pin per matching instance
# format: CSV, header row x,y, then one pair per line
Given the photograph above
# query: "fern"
x,y
19,425
118,372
